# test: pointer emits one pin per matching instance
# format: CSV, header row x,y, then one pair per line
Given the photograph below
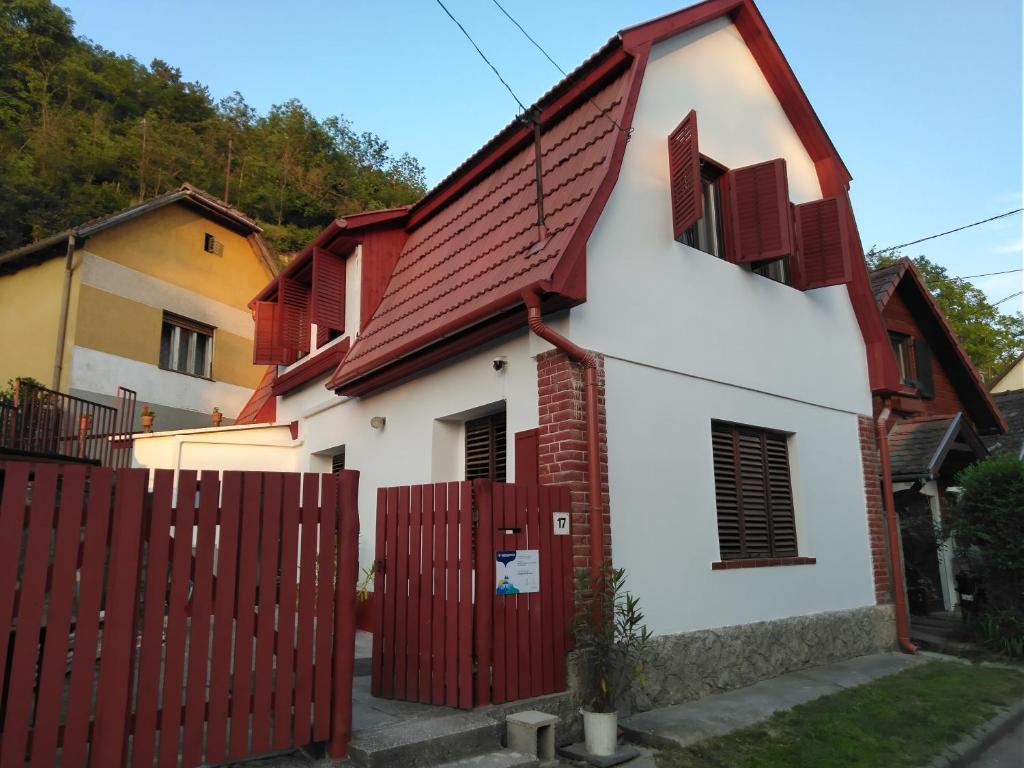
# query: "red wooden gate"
x,y
442,635
214,620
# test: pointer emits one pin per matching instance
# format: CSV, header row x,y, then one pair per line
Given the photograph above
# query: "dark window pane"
x,y
166,334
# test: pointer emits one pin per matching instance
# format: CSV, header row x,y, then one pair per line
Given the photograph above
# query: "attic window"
x,y
212,245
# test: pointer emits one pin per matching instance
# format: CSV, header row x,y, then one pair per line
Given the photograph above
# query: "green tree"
x,y
992,339
85,132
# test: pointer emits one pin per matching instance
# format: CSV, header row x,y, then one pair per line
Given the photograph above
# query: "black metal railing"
x,y
41,422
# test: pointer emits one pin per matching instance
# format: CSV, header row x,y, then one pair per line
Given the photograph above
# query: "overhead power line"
x,y
1011,296
482,56
554,63
989,274
950,232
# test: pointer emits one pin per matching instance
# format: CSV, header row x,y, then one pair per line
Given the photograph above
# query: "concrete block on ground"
x,y
533,733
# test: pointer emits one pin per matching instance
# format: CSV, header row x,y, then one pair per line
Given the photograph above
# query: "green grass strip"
x,y
904,720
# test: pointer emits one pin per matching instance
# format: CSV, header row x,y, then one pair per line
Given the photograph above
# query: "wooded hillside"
x,y
85,132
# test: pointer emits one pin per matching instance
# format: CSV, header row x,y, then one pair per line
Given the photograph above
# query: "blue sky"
x,y
922,97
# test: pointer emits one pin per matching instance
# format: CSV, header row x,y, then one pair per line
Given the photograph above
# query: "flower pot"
x,y
217,417
147,423
600,732
364,614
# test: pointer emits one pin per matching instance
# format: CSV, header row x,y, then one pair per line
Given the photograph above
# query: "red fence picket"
x,y
435,582
147,592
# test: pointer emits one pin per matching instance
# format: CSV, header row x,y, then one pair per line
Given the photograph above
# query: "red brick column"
x,y
876,513
563,443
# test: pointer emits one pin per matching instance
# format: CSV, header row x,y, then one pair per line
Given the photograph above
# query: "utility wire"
x,y
482,56
988,274
1011,296
554,63
950,232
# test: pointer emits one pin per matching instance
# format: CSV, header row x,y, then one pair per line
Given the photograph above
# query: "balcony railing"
x,y
42,423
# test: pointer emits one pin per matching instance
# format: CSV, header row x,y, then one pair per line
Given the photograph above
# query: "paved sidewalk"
x,y
694,721
1008,752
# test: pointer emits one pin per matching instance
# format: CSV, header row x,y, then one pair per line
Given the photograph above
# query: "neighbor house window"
x,y
186,346
706,234
753,492
485,448
212,245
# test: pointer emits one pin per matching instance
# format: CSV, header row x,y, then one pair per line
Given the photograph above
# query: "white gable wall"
x,y
688,338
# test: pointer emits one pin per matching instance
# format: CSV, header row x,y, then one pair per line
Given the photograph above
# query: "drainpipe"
x,y
586,359
895,561
62,324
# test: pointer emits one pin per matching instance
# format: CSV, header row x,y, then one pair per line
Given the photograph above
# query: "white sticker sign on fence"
x,y
561,523
518,571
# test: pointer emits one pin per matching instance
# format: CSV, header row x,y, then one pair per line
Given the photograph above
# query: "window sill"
x,y
762,562
186,373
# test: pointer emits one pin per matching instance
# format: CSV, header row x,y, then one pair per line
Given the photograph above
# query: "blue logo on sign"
x,y
506,556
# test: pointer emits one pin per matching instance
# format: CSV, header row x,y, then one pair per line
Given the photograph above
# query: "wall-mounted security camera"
x,y
378,422
500,363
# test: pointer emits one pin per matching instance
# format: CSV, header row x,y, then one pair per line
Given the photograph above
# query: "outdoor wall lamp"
x,y
378,422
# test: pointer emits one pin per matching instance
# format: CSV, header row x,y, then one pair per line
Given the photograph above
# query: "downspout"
x,y
895,561
586,359
62,323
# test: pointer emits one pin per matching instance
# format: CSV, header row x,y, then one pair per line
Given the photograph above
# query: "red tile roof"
x,y
262,406
470,253
479,253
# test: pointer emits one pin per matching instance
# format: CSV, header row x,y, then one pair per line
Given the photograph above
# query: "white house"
x,y
697,253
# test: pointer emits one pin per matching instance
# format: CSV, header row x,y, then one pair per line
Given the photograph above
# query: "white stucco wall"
x,y
689,338
422,440
257,448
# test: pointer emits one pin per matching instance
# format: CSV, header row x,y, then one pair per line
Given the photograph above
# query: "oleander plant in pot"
x,y
612,643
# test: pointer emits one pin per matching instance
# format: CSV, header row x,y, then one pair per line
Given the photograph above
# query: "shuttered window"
x,y
328,290
485,448
753,493
684,176
760,228
822,245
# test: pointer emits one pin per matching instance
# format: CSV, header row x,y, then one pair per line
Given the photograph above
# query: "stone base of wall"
x,y
692,665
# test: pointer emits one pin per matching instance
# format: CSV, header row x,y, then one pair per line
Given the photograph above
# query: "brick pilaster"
x,y
563,443
875,511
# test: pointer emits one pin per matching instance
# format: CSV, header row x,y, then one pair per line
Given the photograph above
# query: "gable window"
x,y
753,492
914,363
485,448
212,245
186,346
706,234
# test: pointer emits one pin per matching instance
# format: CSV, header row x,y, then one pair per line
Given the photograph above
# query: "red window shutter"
x,y
684,175
759,220
328,291
265,349
293,315
822,247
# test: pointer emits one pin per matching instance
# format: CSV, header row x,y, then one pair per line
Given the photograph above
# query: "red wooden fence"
x,y
442,635
208,622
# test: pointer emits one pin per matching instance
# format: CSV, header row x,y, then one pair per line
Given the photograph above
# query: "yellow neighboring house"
x,y
153,298
1010,379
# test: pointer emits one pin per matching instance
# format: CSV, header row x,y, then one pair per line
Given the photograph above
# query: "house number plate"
x,y
561,523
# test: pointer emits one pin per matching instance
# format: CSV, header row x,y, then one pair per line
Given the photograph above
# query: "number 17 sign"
x,y
561,523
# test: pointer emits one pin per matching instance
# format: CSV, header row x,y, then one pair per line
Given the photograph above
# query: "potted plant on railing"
x,y
217,417
148,414
611,647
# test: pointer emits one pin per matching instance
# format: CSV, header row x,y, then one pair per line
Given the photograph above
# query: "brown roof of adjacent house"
x,y
1011,403
188,194
919,446
885,280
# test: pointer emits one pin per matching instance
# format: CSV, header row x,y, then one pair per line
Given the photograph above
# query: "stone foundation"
x,y
692,665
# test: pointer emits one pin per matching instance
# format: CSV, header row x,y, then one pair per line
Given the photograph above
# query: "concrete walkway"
x,y
1008,752
694,721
